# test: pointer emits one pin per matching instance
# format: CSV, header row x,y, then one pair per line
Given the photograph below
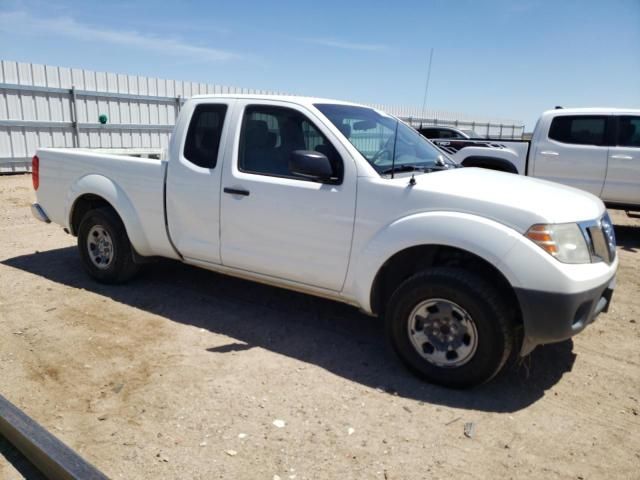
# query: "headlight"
x,y
564,241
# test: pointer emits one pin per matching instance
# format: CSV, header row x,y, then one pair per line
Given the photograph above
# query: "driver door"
x,y
277,224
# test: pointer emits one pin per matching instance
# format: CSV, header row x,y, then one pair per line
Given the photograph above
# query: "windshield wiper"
x,y
413,168
402,168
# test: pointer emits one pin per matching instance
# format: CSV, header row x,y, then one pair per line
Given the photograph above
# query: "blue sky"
x,y
508,59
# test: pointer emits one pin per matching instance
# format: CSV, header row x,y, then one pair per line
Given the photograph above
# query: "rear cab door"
x,y
622,184
274,223
572,149
193,180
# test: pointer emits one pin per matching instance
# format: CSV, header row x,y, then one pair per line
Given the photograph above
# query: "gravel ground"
x,y
184,373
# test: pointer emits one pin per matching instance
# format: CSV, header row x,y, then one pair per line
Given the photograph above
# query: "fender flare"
x,y
111,192
491,163
480,236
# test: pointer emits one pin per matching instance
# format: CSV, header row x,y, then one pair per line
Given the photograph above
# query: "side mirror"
x,y
311,165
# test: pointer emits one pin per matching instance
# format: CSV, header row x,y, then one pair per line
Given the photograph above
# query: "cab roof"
x,y
593,111
287,98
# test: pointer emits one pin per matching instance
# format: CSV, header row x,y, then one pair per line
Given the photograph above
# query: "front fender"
x,y
110,191
483,237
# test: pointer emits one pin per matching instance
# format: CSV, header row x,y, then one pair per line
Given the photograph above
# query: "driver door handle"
x,y
236,191
622,157
549,153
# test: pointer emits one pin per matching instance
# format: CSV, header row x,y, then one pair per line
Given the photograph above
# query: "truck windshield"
x,y
388,144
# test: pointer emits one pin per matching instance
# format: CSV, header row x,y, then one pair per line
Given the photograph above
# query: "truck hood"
x,y
510,199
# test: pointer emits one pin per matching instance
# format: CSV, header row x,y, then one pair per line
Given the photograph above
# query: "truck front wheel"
x,y
105,248
450,326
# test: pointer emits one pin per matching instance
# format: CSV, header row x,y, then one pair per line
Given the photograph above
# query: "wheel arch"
x,y
95,191
491,163
83,204
426,237
409,261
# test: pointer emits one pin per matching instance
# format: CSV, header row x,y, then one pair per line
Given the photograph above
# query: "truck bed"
x,y
123,174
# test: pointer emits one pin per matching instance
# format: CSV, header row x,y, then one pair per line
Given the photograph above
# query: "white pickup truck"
x,y
594,149
466,265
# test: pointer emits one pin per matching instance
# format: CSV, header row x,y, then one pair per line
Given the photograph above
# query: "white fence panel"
x,y
49,106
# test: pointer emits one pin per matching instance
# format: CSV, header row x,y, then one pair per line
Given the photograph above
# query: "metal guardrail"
x,y
85,126
54,459
88,93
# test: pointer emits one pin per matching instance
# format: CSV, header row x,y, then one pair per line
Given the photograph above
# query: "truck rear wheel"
x,y
450,327
105,248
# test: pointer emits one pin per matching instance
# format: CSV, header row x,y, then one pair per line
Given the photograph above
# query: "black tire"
x,y
494,325
121,266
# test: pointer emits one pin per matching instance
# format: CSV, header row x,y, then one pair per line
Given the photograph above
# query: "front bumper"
x,y
38,212
550,317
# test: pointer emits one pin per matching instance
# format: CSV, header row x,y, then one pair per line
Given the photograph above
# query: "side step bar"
x,y
53,458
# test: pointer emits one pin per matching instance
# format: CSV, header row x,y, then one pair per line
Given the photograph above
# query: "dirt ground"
x,y
182,373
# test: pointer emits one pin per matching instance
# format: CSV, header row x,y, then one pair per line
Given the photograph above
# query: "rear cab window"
x,y
628,131
429,132
579,129
203,137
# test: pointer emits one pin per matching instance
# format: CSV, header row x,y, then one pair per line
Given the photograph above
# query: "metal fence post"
x,y
74,117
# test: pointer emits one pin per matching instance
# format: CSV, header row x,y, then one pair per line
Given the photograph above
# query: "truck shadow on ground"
x,y
334,336
628,237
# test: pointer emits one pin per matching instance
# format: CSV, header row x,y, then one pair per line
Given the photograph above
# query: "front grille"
x,y
601,239
599,244
609,235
